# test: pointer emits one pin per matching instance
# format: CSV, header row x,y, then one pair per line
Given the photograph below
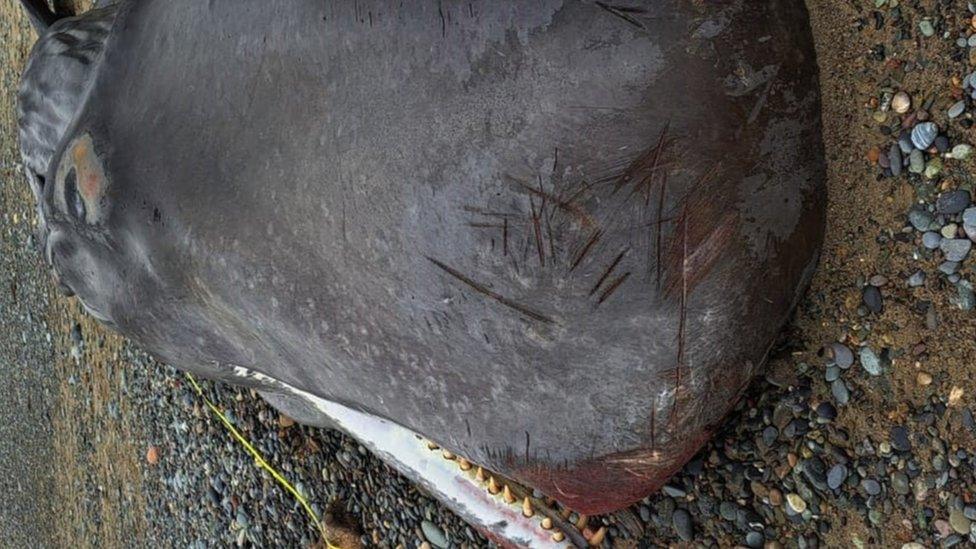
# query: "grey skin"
x,y
555,237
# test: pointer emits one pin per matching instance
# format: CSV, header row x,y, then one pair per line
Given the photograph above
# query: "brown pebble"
x,y
152,455
775,497
923,379
873,154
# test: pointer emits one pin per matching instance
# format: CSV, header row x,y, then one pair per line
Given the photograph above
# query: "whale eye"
x,y
72,198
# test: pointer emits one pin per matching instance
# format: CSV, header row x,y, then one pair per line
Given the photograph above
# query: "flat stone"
x,y
434,534
953,202
949,230
796,503
959,522
894,159
923,134
956,249
899,439
870,361
871,296
969,216
683,526
840,392
949,267
962,151
900,483
956,109
836,476
921,220
871,486
931,239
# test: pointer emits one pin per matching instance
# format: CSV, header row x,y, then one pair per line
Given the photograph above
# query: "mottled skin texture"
x,y
555,237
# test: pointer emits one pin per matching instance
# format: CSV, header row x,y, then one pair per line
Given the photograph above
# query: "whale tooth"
x,y
527,511
432,446
464,464
581,522
493,487
558,536
597,538
565,513
480,475
447,455
546,523
507,494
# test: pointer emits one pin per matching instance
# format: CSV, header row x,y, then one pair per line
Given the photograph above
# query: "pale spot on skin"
x,y
90,175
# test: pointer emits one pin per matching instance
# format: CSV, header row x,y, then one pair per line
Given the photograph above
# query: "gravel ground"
x,y
861,434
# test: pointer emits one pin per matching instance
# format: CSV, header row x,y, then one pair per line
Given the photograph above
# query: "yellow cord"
x,y
262,463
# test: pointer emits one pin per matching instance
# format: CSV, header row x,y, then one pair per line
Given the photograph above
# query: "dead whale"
x,y
556,238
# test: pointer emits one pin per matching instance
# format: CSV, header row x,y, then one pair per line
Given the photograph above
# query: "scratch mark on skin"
x,y
505,237
537,229
526,446
440,11
608,270
585,218
683,316
586,249
485,225
613,287
480,288
642,170
660,222
623,13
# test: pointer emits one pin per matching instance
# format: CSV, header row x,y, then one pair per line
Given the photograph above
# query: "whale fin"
x,y
40,14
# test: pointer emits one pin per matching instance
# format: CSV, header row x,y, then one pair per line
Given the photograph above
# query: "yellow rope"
x,y
262,463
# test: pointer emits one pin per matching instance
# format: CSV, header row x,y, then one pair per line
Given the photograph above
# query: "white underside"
x,y
443,478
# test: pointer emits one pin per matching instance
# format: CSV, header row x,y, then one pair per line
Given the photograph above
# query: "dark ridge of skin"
x,y
557,238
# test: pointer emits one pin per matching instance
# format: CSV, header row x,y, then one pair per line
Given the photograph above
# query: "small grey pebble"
x,y
754,539
894,159
899,439
843,357
953,202
836,476
900,483
916,161
931,239
956,249
917,279
871,486
949,267
969,216
959,106
870,361
681,521
921,220
434,534
840,392
832,372
871,296
905,142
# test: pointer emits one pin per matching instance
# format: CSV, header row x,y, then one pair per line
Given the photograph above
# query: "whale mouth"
x,y
504,510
